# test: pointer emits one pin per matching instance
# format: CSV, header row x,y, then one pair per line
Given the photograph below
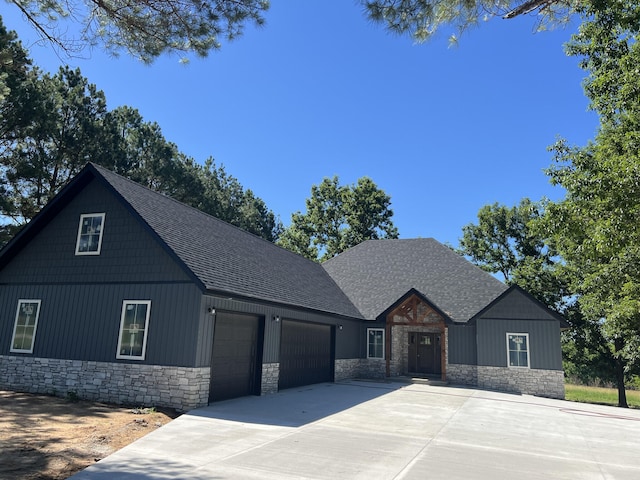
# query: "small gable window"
x,y
132,341
375,342
24,329
518,350
90,234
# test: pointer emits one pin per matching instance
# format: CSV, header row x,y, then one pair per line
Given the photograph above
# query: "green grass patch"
x,y
599,395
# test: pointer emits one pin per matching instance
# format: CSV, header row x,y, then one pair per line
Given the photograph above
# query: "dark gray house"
x,y
117,293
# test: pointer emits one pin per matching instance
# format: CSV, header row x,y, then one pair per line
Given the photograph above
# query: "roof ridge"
x,y
186,205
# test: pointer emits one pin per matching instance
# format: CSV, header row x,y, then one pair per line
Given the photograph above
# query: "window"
x,y
375,343
90,234
24,330
518,350
132,341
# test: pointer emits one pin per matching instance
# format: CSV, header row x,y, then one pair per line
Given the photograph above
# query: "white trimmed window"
x,y
375,342
132,341
24,329
518,350
90,234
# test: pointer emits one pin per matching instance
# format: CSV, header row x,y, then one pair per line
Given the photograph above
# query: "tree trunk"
x,y
618,344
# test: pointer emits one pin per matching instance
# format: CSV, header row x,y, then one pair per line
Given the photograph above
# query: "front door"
x,y
424,353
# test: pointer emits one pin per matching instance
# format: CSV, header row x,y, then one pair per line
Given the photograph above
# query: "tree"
x,y
339,217
144,28
513,242
147,29
507,240
596,226
52,125
422,18
39,156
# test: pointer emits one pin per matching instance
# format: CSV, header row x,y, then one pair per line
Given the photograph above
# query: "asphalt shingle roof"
x,y
229,260
376,273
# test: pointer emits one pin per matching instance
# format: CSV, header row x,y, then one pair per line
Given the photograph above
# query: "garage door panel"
x,y
306,354
234,360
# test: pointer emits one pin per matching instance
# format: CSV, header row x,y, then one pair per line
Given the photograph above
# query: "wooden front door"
x,y
424,353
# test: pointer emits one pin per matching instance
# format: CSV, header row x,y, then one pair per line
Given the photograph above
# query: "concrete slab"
x,y
371,430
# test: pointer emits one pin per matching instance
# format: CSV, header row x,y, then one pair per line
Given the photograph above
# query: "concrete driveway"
x,y
368,430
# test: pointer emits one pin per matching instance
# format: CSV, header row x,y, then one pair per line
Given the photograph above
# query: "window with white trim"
x,y
134,323
90,234
375,342
24,328
518,350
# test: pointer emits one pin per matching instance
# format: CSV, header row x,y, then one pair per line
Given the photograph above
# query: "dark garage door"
x,y
306,354
236,358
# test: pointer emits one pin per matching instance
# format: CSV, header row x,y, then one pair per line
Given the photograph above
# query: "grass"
x,y
599,395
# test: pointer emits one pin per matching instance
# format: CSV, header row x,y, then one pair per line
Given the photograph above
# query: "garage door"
x,y
306,354
236,358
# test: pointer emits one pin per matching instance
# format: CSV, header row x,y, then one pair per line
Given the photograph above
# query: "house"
x,y
117,293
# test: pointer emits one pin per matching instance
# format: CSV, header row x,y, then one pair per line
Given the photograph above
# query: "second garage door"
x,y
306,354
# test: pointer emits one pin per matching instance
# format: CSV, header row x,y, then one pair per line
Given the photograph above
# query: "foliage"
x,y
149,28
510,241
596,227
505,240
421,18
52,125
339,217
144,28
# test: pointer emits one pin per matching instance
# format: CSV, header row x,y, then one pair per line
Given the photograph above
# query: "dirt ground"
x,y
43,437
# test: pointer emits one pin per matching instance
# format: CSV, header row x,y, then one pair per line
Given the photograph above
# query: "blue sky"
x,y
320,91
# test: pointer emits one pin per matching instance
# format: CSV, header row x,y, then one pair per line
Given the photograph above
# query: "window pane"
x,y
25,326
376,344
522,359
89,235
133,329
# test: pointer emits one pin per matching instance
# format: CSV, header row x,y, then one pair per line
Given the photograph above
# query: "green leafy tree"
x,y
506,241
512,242
596,226
339,217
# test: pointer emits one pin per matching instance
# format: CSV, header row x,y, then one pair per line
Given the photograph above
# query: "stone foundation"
x,y
462,374
270,377
181,388
530,381
347,368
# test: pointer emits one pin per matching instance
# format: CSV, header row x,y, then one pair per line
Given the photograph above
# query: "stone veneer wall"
x,y
462,374
530,381
373,368
398,365
270,377
181,388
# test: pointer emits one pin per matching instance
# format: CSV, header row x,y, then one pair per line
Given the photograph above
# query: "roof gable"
x,y
517,304
376,273
220,258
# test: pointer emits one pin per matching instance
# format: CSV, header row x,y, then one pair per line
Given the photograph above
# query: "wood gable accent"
x,y
412,311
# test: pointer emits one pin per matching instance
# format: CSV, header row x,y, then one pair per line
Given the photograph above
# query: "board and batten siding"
x,y
82,321
544,342
462,345
129,252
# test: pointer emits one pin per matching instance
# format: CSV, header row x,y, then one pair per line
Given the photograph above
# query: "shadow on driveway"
x,y
296,407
